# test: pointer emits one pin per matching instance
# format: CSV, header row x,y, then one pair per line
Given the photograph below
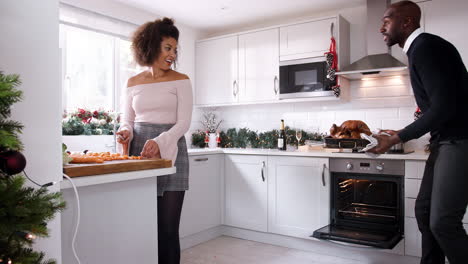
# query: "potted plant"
x,y
211,126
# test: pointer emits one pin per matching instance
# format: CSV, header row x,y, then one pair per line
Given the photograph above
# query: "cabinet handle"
x,y
234,88
275,87
323,174
331,29
263,167
201,159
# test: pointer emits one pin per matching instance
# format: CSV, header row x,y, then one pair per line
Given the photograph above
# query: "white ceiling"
x,y
219,15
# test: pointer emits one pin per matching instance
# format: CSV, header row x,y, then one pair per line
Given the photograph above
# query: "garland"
x,y
85,122
246,138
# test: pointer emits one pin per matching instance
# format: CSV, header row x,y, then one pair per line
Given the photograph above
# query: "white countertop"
x,y
115,177
417,155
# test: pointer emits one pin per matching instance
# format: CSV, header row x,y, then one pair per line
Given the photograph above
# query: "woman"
x,y
156,114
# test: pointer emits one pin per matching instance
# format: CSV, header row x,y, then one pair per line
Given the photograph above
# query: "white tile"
x,y
395,124
381,113
326,115
292,116
406,112
374,124
350,115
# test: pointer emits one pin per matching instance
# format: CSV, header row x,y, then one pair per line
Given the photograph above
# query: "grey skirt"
x,y
174,182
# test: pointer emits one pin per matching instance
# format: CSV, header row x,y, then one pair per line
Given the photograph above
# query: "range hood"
x,y
379,62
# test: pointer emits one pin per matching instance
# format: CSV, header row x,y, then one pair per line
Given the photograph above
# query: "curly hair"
x,y
146,41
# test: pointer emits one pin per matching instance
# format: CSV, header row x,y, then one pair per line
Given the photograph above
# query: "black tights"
x,y
169,209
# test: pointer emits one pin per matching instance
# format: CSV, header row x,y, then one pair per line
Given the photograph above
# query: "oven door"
x,y
360,236
366,209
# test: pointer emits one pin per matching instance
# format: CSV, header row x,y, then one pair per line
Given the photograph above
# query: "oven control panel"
x,y
374,166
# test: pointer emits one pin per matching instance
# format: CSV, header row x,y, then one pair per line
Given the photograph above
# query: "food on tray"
x,y
99,157
350,129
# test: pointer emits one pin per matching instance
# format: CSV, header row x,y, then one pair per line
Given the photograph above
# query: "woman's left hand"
x,y
151,150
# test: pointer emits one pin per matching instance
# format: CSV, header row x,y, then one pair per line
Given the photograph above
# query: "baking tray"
x,y
348,143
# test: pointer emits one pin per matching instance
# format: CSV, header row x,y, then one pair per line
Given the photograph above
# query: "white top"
x,y
411,38
160,103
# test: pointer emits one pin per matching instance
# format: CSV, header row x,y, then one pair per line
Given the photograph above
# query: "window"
x,y
96,65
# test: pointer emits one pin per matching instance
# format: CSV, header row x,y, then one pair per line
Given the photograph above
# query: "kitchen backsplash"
x,y
386,103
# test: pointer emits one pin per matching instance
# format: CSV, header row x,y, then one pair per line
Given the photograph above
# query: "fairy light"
x,y
30,236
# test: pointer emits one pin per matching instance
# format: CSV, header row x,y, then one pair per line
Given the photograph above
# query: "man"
x,y
440,84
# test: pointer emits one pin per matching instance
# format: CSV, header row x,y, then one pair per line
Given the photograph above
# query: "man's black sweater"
x,y
440,84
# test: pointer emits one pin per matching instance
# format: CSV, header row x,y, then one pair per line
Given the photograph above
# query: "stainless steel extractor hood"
x,y
378,62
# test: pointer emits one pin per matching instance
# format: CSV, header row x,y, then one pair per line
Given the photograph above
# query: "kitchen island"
x,y
118,222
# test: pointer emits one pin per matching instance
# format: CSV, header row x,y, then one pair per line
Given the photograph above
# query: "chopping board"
x,y
76,170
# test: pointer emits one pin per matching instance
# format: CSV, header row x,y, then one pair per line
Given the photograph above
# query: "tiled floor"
x,y
228,250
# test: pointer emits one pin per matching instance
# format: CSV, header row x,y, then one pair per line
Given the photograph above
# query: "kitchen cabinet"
x,y
216,71
203,201
447,19
412,238
243,68
259,66
312,39
246,183
414,171
298,195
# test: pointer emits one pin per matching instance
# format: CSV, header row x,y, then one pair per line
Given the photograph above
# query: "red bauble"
x,y
12,162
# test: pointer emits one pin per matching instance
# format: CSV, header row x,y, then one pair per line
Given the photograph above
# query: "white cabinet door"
x,y
311,39
246,191
259,66
202,203
216,71
298,195
447,20
412,238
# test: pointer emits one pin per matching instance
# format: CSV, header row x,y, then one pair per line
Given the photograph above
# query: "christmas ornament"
x,y
332,66
417,114
12,162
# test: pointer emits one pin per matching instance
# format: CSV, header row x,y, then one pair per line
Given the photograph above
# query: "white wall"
x,y
29,47
385,103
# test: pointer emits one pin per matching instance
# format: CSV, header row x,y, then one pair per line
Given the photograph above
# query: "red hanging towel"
x,y
333,67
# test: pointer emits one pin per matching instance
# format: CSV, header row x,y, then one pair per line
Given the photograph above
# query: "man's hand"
x,y
151,150
389,131
385,143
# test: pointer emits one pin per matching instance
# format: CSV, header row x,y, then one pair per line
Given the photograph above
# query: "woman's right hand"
x,y
123,137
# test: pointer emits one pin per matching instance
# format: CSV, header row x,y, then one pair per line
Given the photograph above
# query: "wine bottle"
x,y
282,137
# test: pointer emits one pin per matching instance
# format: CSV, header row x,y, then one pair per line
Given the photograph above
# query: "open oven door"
x,y
368,237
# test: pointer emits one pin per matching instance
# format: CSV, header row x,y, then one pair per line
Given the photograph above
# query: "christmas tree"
x,y
24,211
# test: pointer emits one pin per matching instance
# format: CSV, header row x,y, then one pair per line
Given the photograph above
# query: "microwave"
x,y
304,78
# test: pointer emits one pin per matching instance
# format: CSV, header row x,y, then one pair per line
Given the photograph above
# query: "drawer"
x,y
412,188
414,169
409,207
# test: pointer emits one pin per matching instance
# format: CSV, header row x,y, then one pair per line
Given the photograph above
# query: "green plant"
x,y
198,139
84,122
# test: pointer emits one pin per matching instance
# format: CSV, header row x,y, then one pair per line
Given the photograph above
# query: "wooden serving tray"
x,y
87,169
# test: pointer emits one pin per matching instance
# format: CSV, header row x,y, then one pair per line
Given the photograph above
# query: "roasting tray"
x,y
347,143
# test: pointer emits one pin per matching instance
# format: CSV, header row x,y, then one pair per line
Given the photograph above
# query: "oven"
x,y
304,78
366,202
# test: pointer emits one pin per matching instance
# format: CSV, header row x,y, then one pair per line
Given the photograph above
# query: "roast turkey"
x,y
350,129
